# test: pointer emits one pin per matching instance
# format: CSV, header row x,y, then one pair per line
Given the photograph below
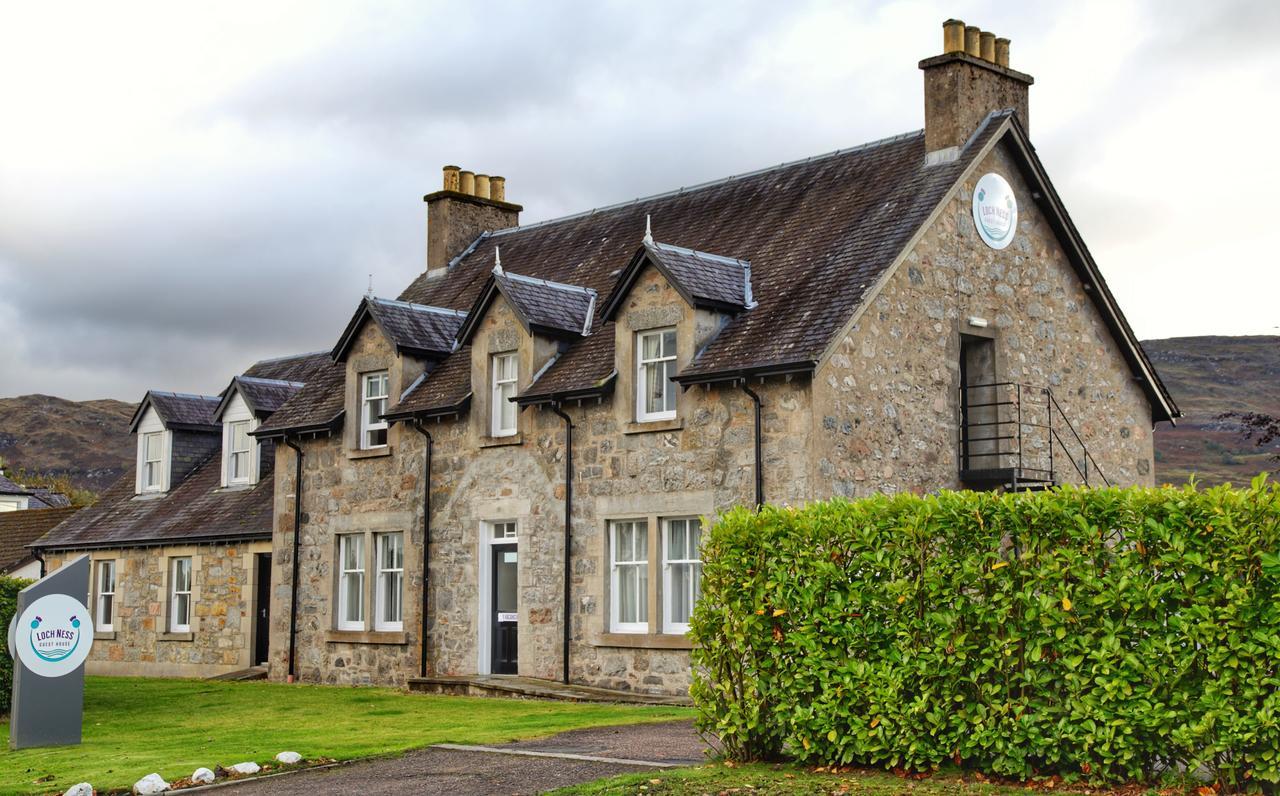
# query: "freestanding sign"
x,y
49,638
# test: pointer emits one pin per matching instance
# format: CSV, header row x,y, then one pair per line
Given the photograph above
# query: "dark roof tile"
x,y
179,410
20,528
297,368
316,406
415,329
444,390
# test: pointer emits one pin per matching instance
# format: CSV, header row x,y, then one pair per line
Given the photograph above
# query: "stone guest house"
x,y
544,419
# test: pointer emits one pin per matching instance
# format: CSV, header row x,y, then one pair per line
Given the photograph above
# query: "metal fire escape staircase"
x,y
1016,437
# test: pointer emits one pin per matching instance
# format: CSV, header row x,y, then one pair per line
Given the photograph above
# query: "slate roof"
x,y
296,368
263,396
704,280
20,528
195,509
317,406
179,410
415,329
586,369
47,498
444,391
9,487
544,307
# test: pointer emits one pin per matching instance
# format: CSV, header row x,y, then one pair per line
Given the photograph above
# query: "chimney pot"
x,y
451,178
953,36
1002,52
987,46
467,182
482,186
498,188
972,41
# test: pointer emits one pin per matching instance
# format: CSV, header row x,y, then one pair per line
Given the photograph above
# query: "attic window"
x,y
239,447
655,366
373,429
505,375
153,461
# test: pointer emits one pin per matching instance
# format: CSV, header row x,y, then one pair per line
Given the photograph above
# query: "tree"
x,y
1263,429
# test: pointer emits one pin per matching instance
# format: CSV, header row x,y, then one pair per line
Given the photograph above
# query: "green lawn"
x,y
133,727
776,780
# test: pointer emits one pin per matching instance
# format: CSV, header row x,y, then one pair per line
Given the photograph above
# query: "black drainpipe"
x,y
568,533
38,554
759,464
297,565
426,537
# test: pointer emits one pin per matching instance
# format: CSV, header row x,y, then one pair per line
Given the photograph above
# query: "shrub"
x,y
1108,634
9,588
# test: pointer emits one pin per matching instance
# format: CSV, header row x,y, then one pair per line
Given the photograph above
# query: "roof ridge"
x,y
172,394
701,254
423,307
262,380
288,356
548,282
696,187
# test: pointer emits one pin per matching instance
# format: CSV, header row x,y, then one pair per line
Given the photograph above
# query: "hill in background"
x,y
1208,376
86,441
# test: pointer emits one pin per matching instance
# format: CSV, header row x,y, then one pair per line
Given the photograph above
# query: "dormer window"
x,y
655,367
239,452
373,429
506,371
152,448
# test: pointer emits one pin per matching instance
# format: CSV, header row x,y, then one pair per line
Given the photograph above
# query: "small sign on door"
x,y
503,616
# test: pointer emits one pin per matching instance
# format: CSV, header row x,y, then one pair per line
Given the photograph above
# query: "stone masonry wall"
x,y
222,610
887,401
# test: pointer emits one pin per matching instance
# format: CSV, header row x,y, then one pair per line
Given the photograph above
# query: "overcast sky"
x,y
185,188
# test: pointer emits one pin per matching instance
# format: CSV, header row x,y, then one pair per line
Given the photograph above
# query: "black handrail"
x,y
1014,452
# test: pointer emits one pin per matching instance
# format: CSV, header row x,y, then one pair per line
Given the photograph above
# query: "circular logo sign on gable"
x,y
53,635
995,211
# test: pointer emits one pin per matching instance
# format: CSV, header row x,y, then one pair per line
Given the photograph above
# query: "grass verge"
x,y
135,726
718,779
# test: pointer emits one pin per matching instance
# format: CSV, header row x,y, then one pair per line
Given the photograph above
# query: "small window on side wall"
x,y
506,371
239,451
180,595
106,586
373,403
655,367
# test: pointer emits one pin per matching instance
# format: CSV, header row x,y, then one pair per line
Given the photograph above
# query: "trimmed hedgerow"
x,y
1111,634
9,588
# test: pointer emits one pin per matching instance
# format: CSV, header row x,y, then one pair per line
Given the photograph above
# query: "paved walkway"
x,y
458,772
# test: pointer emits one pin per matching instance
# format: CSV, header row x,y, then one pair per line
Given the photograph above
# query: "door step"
x,y
532,688
252,673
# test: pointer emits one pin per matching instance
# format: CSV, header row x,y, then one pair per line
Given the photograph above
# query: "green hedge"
x,y
9,588
1106,635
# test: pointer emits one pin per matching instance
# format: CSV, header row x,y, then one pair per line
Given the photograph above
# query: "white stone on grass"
x,y
246,768
150,784
202,776
289,758
79,789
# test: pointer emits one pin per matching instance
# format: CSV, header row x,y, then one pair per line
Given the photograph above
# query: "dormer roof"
x,y
416,329
704,280
263,396
178,411
445,390
10,487
554,309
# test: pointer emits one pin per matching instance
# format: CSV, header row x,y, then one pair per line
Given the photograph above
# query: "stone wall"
x,y
222,610
887,399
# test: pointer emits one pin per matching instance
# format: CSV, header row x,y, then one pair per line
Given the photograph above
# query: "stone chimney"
x,y
969,80
466,205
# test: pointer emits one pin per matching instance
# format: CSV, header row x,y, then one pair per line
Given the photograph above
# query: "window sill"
x,y
656,641
501,442
365,637
104,635
239,487
187,636
369,453
654,426
152,495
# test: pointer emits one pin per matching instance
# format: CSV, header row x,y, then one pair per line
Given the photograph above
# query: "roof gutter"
x,y
297,545
426,536
805,367
568,529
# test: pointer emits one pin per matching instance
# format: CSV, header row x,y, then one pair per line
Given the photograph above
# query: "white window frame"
x,y
105,597
176,626
616,568
149,465
246,453
380,620
642,375
368,425
499,394
669,625
344,573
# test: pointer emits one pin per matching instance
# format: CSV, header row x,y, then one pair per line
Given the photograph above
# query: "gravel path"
x,y
464,773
